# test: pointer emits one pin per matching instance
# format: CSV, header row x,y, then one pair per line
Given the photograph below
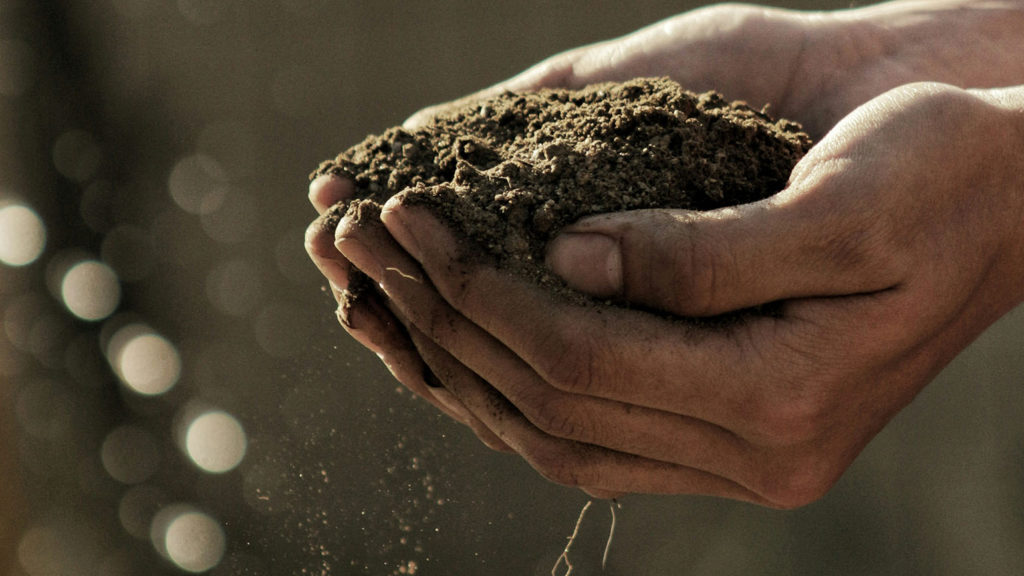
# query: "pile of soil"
x,y
509,172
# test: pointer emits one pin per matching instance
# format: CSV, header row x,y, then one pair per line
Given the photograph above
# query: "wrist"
x,y
1007,107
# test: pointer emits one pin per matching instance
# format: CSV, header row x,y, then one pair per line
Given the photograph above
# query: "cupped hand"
x,y
823,65
809,66
896,243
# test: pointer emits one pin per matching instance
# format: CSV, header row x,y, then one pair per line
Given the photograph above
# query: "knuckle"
x,y
869,249
574,373
557,417
800,481
699,265
568,360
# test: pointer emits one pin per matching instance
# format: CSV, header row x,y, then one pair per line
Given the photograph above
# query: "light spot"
x,y
90,290
130,454
197,184
216,442
191,539
137,508
22,235
146,362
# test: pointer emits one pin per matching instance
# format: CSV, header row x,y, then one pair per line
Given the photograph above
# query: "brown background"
x,y
343,469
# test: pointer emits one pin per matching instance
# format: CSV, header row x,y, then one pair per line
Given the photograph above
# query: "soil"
x,y
509,172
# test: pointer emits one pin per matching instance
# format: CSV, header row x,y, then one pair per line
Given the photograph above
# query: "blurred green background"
x,y
175,393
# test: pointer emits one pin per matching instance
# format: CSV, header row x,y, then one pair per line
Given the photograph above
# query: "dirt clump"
x,y
507,173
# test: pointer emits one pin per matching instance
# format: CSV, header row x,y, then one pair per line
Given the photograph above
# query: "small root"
x,y
403,274
611,533
564,558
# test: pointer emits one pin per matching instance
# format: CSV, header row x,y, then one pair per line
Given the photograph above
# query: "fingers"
x,y
598,470
646,432
709,263
380,329
320,247
327,190
602,351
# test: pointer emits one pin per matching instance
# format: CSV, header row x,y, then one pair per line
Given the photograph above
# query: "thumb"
x,y
708,263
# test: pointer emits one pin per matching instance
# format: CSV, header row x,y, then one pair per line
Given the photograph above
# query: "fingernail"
x,y
590,263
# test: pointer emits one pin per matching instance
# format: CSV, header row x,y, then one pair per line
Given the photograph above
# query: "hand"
x,y
896,243
831,63
812,67
371,319
823,65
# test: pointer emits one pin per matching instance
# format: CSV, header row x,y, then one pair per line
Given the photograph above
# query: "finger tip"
x,y
393,207
327,190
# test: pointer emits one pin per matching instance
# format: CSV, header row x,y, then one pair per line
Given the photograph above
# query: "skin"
x,y
897,241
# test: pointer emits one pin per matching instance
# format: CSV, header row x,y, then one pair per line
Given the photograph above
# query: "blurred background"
x,y
176,396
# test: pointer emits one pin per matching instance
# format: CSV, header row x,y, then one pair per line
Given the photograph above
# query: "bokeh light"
x,y
197,184
189,538
22,235
146,362
90,290
216,442
137,508
130,454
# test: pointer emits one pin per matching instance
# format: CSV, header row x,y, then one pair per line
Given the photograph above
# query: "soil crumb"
x,y
507,173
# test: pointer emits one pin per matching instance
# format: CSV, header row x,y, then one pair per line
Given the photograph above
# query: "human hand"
x,y
369,317
822,64
831,63
812,67
896,243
